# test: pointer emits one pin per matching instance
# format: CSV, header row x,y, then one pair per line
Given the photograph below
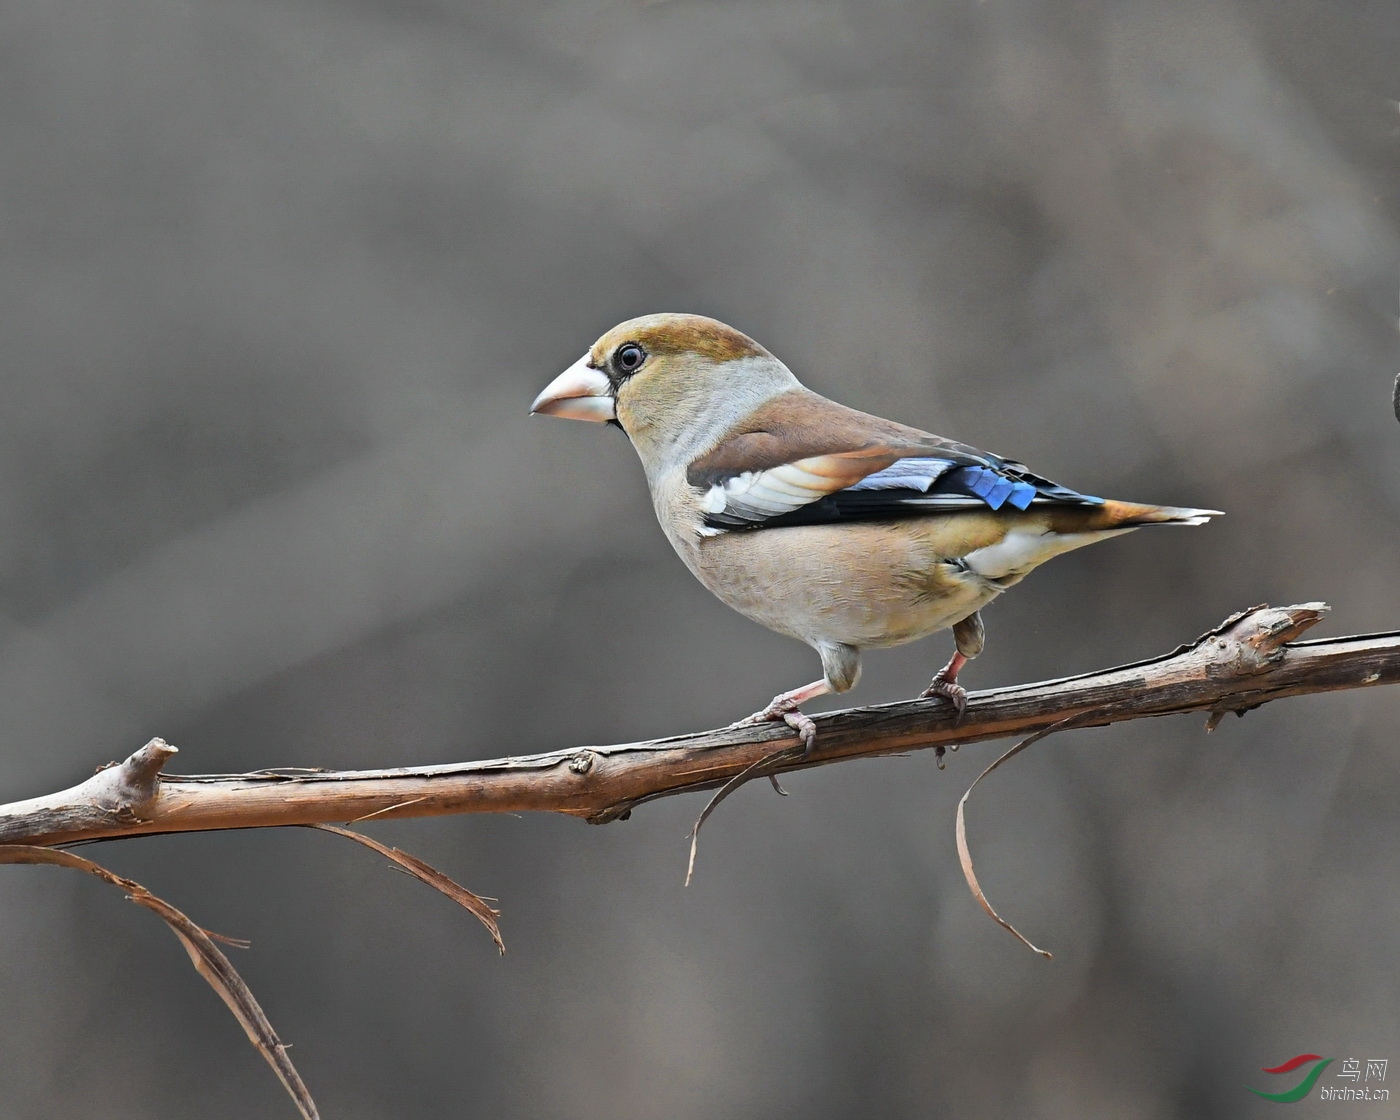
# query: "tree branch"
x,y
1246,661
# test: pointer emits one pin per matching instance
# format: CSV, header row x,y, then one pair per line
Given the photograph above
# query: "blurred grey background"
x,y
279,282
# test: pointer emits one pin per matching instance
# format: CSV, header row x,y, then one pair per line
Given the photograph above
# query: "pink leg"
x,y
784,707
945,683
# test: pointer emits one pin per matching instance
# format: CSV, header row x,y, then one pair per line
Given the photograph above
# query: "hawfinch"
x,y
820,522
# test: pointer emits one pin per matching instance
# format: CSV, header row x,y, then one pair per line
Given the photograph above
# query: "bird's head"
x,y
674,383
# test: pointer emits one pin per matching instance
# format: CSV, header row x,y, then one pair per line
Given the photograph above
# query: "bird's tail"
x,y
1111,516
1016,544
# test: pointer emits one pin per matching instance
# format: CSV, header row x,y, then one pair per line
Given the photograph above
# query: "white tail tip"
x,y
1194,516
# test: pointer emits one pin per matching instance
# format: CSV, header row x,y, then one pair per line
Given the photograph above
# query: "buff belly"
x,y
864,585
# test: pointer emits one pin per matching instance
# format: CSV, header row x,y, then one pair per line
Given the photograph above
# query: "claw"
x,y
805,728
785,709
758,717
951,690
945,684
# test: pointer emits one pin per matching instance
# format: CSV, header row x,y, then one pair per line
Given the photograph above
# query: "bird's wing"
x,y
805,460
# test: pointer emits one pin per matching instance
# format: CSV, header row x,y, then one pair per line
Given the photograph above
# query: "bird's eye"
x,y
629,357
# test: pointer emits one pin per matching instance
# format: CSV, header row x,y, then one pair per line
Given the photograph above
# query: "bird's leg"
x,y
970,636
785,706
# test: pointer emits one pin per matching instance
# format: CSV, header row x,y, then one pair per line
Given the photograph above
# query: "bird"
x,y
838,528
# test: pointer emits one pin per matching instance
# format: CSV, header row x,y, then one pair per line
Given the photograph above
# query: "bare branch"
x,y
960,828
426,873
1245,662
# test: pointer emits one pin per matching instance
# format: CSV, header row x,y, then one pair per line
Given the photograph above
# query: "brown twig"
x,y
960,827
1245,662
206,957
426,873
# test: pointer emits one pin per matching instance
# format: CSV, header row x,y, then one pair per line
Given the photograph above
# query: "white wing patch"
x,y
713,501
761,495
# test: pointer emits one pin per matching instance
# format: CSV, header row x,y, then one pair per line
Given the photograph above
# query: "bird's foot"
x,y
945,684
785,708
949,689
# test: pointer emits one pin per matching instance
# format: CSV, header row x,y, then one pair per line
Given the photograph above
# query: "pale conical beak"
x,y
579,393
